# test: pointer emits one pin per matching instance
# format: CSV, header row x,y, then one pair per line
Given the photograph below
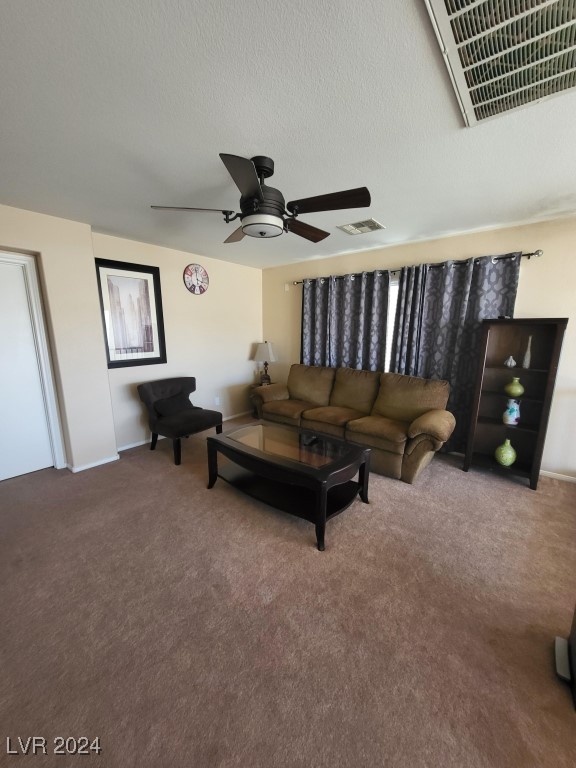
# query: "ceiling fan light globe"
x,y
262,225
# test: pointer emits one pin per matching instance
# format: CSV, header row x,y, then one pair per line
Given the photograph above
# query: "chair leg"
x,y
153,441
218,429
177,451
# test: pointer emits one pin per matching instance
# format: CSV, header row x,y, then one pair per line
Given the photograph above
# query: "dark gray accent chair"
x,y
171,414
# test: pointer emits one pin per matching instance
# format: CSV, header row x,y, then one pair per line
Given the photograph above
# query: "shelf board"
x,y
506,396
515,427
484,461
515,370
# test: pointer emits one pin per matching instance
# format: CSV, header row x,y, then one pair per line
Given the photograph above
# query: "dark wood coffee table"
x,y
307,474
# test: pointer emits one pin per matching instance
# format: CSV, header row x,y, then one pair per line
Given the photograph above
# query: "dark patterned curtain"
x,y
315,344
344,321
406,340
443,309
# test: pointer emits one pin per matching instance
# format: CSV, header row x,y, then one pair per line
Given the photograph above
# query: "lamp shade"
x,y
264,352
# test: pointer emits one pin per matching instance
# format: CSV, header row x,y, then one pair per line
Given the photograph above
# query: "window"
x,y
392,303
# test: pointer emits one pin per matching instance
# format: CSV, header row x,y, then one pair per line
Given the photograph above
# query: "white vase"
x,y
527,354
511,415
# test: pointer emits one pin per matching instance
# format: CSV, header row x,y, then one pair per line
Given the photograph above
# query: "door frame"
x,y
28,266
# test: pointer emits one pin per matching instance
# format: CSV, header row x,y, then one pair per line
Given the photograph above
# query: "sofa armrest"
x,y
437,423
271,392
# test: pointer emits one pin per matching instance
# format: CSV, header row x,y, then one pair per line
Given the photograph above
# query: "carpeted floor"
x,y
201,629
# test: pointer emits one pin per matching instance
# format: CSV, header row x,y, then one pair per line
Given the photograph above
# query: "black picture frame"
x,y
131,307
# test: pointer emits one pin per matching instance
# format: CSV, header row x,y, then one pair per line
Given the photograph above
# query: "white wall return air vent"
x,y
505,54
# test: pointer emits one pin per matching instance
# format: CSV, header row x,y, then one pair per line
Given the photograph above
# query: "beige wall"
x,y
547,288
208,336
67,274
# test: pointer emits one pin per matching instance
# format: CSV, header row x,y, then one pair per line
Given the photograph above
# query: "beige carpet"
x,y
201,629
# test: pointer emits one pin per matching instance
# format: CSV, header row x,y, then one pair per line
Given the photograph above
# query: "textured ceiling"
x,y
110,107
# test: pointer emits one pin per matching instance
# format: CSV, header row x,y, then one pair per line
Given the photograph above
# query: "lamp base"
x,y
264,378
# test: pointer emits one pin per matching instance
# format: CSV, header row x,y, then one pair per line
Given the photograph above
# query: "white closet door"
x,y
25,444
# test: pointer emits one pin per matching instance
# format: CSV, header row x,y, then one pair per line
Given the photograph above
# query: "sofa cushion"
x,y
285,411
311,384
404,398
330,414
355,389
379,432
323,427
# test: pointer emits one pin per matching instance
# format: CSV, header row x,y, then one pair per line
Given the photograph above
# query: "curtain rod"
x,y
536,253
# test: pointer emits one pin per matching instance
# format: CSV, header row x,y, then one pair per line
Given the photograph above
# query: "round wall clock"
x,y
196,279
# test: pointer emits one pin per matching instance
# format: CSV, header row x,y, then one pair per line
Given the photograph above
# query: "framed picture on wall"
x,y
131,304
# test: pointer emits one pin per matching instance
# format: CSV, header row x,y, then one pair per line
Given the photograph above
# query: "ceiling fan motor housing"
x,y
263,218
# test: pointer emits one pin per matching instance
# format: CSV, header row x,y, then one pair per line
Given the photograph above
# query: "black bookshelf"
x,y
502,339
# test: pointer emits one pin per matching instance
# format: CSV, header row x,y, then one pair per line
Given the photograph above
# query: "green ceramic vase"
x,y
505,454
514,388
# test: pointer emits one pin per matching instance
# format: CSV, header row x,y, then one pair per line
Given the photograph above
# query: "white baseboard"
x,y
558,476
135,445
82,467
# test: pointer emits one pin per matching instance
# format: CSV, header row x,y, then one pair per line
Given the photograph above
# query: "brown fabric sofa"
x,y
401,418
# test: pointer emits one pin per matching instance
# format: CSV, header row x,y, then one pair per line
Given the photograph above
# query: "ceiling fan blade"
x,y
180,208
244,174
306,230
237,235
349,198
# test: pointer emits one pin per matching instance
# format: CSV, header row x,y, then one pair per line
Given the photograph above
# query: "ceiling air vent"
x,y
361,227
505,54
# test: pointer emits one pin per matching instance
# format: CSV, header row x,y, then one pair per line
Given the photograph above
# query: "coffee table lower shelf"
x,y
287,497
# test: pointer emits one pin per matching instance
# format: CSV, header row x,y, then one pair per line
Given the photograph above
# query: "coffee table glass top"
x,y
305,447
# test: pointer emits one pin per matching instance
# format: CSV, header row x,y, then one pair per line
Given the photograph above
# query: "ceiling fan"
x,y
263,210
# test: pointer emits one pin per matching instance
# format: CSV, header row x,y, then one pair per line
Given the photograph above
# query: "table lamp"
x,y
264,353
